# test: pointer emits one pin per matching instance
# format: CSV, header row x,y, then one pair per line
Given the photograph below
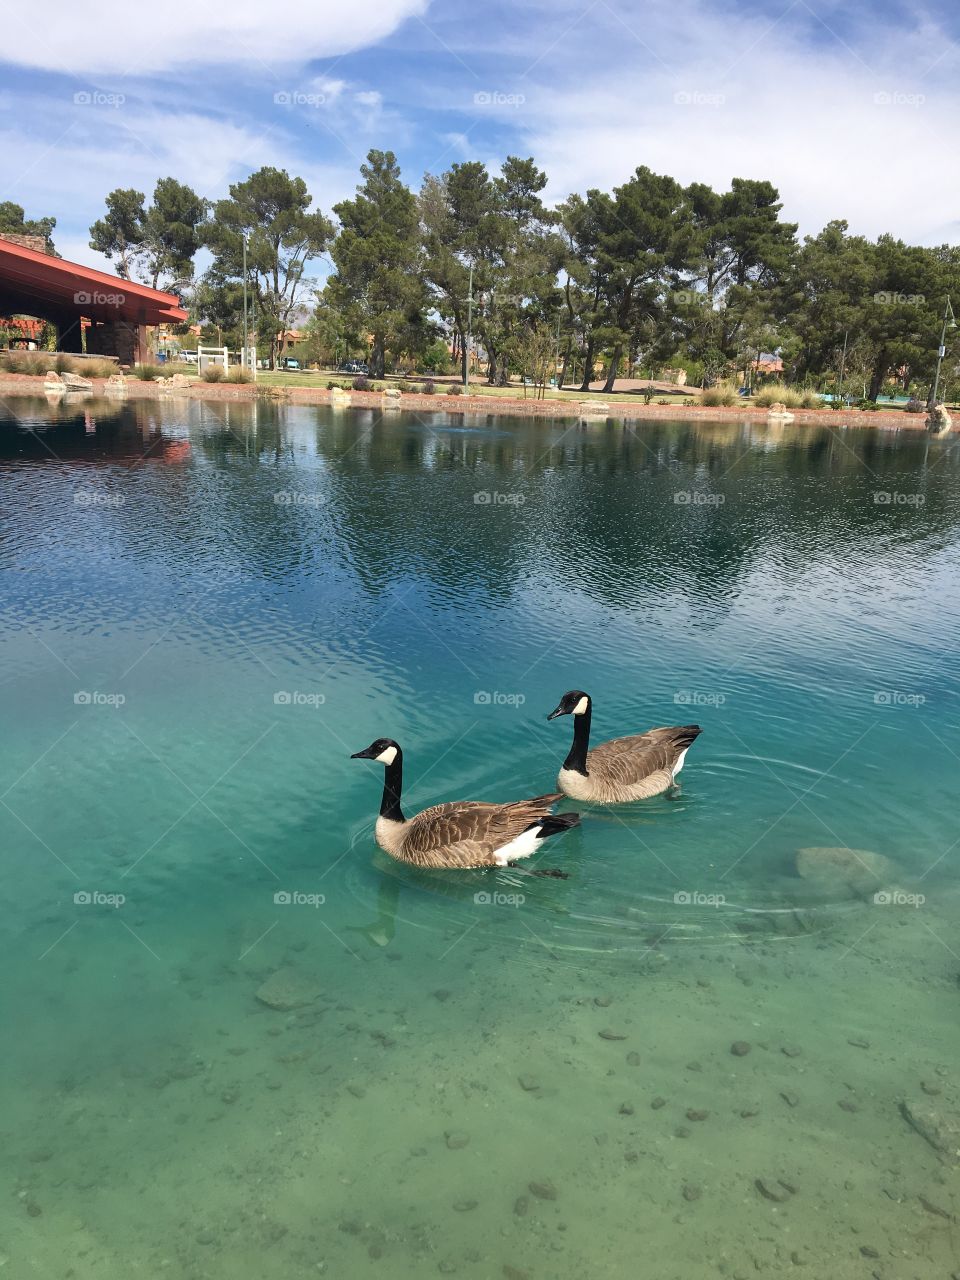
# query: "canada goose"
x,y
624,768
467,833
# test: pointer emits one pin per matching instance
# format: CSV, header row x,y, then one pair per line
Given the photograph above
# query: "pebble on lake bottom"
x,y
691,1192
740,1048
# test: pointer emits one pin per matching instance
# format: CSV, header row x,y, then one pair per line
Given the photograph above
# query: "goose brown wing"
x,y
629,760
483,827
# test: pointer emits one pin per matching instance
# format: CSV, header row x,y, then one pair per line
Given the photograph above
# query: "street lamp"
x,y
246,341
466,353
948,319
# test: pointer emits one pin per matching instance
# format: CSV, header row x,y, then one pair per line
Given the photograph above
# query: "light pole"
x,y
843,365
466,353
948,319
246,341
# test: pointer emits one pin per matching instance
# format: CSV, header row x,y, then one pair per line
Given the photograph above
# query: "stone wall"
x,y
117,338
37,243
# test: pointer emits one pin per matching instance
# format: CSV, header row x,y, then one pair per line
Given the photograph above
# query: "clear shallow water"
x,y
207,607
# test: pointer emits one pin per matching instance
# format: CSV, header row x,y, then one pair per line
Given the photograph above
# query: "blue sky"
x,y
851,111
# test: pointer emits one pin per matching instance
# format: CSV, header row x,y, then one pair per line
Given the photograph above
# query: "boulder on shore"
x,y
73,382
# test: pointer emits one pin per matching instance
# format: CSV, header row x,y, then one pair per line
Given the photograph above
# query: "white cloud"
x,y
831,129
93,151
108,40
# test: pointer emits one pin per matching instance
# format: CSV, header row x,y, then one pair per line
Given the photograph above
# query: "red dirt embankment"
x,y
12,384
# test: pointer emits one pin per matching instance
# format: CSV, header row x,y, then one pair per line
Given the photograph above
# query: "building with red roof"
x,y
114,314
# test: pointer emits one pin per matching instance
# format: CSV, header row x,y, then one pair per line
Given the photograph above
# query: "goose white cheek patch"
x,y
388,756
581,707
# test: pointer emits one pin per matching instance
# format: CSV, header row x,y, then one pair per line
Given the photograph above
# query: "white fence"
x,y
207,356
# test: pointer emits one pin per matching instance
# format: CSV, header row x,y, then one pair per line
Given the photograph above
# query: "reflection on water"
x,y
208,606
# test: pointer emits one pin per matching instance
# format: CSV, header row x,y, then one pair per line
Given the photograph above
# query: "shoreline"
x,y
20,384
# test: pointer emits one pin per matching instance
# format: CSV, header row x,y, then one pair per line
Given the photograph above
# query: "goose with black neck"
x,y
461,834
622,769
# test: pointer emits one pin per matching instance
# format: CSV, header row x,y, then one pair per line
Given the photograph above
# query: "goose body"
x,y
623,769
462,834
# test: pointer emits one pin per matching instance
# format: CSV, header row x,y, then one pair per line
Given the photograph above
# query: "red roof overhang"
x,y
38,283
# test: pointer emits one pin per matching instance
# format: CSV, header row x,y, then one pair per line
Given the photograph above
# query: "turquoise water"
x,y
206,608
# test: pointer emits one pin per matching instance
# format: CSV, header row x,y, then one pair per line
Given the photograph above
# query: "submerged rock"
x,y
847,873
939,1127
288,989
774,1189
544,1190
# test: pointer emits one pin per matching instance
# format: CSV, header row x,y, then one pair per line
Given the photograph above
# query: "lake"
x,y
243,1042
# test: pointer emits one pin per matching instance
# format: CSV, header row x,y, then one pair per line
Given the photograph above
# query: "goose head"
x,y
574,703
384,750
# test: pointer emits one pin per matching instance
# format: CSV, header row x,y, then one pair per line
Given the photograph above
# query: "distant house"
x,y
767,365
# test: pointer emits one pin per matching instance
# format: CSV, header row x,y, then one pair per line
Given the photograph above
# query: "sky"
x,y
850,110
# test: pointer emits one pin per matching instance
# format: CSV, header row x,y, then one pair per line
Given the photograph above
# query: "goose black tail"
x,y
554,824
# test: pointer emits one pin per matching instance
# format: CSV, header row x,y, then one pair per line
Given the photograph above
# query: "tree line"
x,y
648,276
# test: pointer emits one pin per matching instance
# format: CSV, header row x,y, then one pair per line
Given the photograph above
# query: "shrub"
x,y
721,394
429,388
455,389
914,406
213,373
870,405
362,383
778,392
40,362
149,372
239,374
404,385
810,400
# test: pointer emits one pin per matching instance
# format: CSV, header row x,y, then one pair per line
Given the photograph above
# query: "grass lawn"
x,y
320,378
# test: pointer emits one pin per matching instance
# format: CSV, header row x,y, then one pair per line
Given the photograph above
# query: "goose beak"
x,y
559,712
365,754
